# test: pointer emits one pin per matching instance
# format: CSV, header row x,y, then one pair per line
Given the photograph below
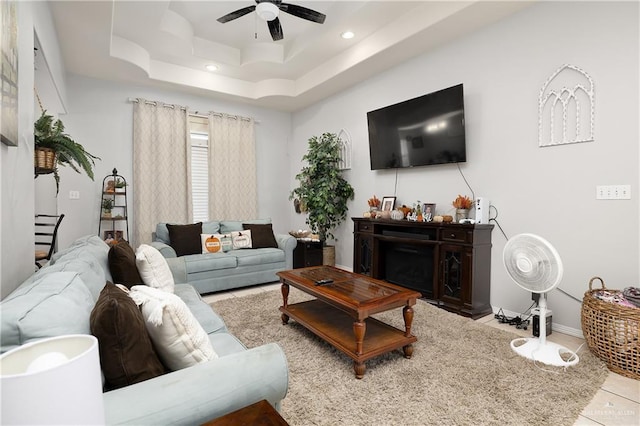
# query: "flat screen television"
x,y
418,132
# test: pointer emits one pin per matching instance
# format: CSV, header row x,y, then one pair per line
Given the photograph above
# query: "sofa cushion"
x,y
127,355
179,339
91,244
52,304
162,233
227,226
210,321
261,235
154,269
261,256
185,239
209,262
122,264
85,265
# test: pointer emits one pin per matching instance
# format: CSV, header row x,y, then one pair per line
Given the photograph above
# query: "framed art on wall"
x,y
9,74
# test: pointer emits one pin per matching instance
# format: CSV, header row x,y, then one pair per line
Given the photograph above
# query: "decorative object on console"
x,y
462,205
429,210
567,93
300,233
397,214
321,186
388,203
52,381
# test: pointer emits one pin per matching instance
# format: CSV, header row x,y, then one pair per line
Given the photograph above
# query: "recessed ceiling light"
x,y
347,35
211,67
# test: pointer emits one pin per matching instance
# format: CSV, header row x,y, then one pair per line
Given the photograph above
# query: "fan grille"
x,y
533,263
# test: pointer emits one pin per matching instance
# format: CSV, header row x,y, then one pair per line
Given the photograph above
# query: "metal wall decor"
x,y
566,107
345,150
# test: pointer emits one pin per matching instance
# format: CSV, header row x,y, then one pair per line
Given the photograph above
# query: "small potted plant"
x,y
462,205
107,206
120,185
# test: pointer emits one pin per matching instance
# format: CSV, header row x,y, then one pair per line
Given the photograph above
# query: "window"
x,y
199,168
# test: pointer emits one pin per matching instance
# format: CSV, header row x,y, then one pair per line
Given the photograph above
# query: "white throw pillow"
x,y
177,336
153,268
241,239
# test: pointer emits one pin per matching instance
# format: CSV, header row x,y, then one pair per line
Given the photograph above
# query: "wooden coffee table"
x,y
340,313
259,414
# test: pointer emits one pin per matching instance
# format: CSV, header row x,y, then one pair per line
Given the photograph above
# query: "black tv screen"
x,y
418,132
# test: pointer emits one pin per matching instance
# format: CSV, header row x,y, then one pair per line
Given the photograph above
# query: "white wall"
x,y
547,191
101,119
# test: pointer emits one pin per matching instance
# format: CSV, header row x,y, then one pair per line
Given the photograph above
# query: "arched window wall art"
x,y
345,150
566,107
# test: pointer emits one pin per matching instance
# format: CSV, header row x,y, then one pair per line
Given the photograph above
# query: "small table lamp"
x,y
52,381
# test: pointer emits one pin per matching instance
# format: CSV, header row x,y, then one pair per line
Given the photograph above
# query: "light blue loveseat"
x,y
58,300
213,272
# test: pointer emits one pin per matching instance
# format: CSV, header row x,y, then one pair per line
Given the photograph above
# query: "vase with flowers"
x,y
374,205
462,205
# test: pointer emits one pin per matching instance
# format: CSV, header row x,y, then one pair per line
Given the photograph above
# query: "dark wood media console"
x,y
448,263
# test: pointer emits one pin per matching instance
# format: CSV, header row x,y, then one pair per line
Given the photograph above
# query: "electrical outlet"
x,y
74,195
613,192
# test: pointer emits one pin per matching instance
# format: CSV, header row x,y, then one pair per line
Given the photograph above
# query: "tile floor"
x,y
616,403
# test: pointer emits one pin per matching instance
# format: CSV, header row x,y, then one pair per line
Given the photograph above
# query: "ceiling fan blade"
x,y
235,15
303,12
275,29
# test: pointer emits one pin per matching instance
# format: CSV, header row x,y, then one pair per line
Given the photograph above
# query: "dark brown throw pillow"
x,y
122,264
127,355
185,239
261,235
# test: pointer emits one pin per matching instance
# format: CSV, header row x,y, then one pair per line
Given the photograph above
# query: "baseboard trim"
x,y
560,328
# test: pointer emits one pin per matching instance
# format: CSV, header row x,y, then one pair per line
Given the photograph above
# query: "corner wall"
x,y
547,191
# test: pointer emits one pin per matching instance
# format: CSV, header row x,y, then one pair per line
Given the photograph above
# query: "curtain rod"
x,y
194,113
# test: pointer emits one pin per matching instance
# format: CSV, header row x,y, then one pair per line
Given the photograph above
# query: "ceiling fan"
x,y
268,10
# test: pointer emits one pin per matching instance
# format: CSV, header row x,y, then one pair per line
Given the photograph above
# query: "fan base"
x,y
548,353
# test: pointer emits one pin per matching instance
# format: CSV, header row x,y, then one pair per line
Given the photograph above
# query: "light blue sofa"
x,y
58,300
213,272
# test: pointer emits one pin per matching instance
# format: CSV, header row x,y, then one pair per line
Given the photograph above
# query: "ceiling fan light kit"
x,y
535,265
267,11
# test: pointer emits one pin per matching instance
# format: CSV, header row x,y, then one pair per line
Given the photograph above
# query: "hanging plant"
x,y
323,191
50,136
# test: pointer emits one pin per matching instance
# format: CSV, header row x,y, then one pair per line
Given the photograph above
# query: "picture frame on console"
x,y
428,211
388,203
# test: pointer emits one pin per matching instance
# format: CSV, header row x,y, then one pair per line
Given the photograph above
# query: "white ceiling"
x,y
168,43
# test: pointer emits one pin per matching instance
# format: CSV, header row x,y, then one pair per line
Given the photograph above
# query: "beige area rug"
x,y
461,373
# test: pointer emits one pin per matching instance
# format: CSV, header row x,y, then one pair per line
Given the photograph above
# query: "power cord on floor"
x,y
518,320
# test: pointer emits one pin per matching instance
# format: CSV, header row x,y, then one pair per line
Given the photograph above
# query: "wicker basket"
x,y
611,331
44,160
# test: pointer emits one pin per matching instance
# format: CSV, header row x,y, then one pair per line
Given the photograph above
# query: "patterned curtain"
x,y
161,168
232,168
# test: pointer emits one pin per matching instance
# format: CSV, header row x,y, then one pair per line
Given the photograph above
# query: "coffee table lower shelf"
x,y
337,328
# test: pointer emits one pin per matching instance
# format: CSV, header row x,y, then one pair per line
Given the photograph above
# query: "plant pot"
x,y
329,255
44,160
106,215
462,214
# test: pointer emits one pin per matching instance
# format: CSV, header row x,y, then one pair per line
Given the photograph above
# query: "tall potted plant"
x,y
323,190
53,144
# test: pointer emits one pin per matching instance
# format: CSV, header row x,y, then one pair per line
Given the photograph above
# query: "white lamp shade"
x,y
52,381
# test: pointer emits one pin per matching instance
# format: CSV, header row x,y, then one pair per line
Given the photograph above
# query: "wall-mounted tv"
x,y
418,132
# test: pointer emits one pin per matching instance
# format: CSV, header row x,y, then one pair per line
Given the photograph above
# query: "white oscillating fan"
x,y
535,265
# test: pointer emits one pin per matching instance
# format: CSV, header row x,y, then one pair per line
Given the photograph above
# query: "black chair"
x,y
46,234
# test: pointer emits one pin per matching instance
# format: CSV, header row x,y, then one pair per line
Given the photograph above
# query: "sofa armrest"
x,y
203,392
165,249
287,243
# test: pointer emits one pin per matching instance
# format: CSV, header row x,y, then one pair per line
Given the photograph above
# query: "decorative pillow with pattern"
x,y
241,239
177,335
216,243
